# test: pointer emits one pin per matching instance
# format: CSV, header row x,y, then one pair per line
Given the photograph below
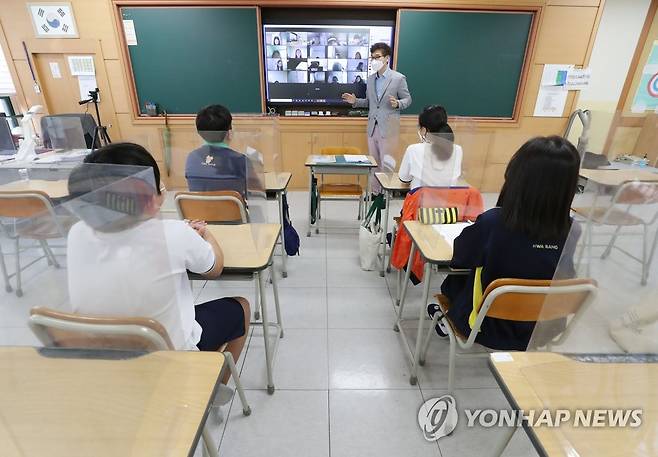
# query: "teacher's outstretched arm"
x,y
404,97
356,102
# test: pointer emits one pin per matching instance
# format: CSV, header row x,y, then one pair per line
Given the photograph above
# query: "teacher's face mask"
x,y
377,64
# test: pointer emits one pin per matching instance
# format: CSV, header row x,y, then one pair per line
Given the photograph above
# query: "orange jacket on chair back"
x,y
467,200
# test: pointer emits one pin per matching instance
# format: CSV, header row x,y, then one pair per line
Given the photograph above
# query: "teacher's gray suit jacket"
x,y
381,113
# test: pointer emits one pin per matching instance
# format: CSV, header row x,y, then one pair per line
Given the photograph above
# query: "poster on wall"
x,y
646,96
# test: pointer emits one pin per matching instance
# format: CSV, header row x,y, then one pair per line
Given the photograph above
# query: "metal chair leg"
x,y
266,336
426,345
608,248
275,290
5,275
50,255
246,409
645,267
208,442
257,302
19,290
451,360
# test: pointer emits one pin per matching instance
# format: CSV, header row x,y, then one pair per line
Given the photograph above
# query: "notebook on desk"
x,y
352,158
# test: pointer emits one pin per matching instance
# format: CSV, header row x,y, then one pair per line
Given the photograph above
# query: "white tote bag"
x,y
370,234
369,238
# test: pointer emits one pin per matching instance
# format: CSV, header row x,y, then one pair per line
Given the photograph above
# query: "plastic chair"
x,y
630,195
522,300
224,206
58,329
340,191
30,215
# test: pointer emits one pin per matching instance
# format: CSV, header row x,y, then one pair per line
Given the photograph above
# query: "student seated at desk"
x,y
523,237
436,161
215,166
129,263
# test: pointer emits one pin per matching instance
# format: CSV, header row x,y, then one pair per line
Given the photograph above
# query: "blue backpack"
x,y
290,234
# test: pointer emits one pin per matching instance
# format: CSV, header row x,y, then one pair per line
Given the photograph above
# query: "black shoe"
x,y
440,329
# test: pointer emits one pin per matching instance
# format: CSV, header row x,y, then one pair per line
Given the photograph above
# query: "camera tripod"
x,y
100,131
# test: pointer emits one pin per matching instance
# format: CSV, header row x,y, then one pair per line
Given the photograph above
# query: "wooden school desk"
x,y
248,250
66,402
327,165
538,380
617,177
277,183
54,189
435,250
390,183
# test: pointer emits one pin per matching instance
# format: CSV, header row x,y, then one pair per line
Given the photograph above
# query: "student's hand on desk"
x,y
394,101
349,98
198,226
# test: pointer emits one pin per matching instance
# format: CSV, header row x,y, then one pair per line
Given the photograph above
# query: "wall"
x,y
566,31
613,50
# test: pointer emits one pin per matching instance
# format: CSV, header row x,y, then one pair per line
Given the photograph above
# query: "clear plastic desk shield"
x,y
93,243
230,178
66,133
594,349
435,165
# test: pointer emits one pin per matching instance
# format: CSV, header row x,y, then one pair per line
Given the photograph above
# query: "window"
x,y
6,89
7,109
6,84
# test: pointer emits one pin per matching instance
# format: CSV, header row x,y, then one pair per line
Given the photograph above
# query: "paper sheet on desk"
x,y
69,156
451,231
356,158
324,159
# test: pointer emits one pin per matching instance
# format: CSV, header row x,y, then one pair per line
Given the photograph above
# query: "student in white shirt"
x,y
130,263
436,161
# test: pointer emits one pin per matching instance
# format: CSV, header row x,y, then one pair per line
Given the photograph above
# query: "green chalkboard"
x,y
189,57
469,62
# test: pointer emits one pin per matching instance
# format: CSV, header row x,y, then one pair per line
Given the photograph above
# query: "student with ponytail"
x,y
436,161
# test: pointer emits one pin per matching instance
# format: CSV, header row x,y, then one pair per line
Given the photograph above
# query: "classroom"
x,y
328,229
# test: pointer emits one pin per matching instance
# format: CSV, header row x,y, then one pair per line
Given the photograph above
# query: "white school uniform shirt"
x,y
421,167
139,272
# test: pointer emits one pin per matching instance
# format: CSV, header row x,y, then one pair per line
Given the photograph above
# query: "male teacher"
x,y
386,95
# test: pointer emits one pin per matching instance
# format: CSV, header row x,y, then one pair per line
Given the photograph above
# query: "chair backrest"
x,y
59,329
223,206
528,300
531,300
467,200
24,204
87,124
339,150
635,194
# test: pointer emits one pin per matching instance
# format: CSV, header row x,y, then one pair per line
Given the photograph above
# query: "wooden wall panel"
x,y
505,143
573,2
565,29
564,34
120,93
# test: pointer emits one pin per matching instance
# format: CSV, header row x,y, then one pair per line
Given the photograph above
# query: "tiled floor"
x,y
341,374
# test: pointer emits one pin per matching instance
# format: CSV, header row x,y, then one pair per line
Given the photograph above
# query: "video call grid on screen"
x,y
308,64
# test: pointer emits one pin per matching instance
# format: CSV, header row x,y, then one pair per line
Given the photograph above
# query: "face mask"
x,y
377,65
421,136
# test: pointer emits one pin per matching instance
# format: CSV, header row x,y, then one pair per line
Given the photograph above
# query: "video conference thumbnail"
x,y
317,57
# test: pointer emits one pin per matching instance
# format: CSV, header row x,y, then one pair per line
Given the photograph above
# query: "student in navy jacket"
x,y
523,237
